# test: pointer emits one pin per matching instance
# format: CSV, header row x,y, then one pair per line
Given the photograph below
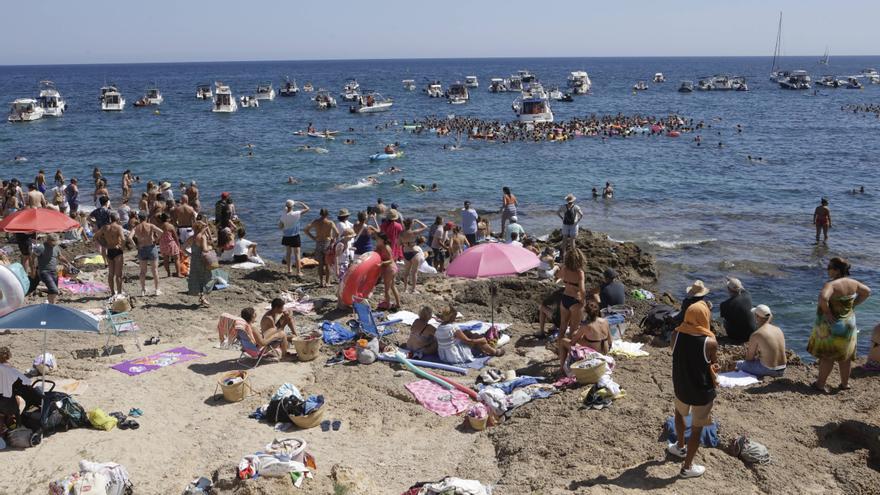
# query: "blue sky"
x,y
103,31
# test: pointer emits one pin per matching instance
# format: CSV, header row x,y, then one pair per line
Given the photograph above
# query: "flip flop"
x,y
120,418
337,424
135,412
129,423
325,425
338,358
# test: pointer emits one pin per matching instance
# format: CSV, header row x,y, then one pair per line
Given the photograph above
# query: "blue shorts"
x,y
755,367
569,230
148,253
50,278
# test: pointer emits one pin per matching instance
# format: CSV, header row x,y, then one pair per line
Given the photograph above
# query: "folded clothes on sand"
x,y
732,379
708,437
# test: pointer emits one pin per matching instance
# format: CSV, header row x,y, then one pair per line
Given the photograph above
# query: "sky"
x,y
128,31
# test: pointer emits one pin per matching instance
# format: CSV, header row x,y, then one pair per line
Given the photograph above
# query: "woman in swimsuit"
x,y
421,334
363,232
508,208
389,272
593,332
835,332
411,251
572,301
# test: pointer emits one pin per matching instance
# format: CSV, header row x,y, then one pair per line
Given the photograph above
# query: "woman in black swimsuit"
x,y
593,332
409,240
572,301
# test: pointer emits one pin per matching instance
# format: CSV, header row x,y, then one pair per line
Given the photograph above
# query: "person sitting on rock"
x,y
739,319
611,292
765,350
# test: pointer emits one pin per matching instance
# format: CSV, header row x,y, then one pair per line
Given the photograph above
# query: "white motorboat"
x,y
738,83
852,82
371,102
324,100
831,82
111,99
457,93
308,87
498,85
288,87
797,79
579,82
659,77
706,84
533,105
249,101
224,102
50,100
265,91
409,84
557,95
434,89
526,77
514,83
203,92
640,86
686,87
871,75
351,91
25,110
154,96
471,82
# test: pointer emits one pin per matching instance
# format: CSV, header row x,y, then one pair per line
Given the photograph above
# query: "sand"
x,y
819,443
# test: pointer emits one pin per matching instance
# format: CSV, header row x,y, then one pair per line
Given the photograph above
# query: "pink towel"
x,y
439,400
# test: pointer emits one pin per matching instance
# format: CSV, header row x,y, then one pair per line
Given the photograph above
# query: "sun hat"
x,y
734,284
570,198
762,310
698,289
343,213
393,215
166,186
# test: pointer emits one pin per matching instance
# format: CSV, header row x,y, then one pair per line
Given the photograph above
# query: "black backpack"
x,y
659,320
221,212
280,410
568,216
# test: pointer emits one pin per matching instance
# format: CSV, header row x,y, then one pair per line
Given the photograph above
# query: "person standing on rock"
x,y
571,216
694,364
290,234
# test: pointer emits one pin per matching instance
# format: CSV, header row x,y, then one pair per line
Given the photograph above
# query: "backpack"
x,y
659,320
568,217
280,410
221,211
61,413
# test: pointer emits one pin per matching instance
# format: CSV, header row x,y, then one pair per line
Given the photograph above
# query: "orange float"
x,y
360,278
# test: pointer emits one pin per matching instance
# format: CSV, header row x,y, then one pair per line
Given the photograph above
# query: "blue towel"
x,y
708,437
335,333
476,364
312,403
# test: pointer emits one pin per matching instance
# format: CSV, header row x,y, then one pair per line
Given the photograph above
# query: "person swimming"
x,y
292,180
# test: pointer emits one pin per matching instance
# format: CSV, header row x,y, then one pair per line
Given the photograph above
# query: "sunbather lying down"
x,y
456,346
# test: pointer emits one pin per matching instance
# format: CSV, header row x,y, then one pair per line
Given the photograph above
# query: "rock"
x,y
351,481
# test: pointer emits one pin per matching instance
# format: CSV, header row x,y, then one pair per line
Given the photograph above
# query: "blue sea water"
x,y
705,212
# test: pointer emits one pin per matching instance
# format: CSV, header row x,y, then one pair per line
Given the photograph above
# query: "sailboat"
x,y
825,58
775,73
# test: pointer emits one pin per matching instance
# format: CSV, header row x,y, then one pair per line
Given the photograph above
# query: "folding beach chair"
x,y
251,350
366,321
119,324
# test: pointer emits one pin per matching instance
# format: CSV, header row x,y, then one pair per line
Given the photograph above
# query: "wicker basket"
x,y
236,392
588,376
478,424
309,420
307,346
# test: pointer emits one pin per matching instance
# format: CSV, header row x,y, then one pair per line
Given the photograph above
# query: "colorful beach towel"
x,y
77,287
139,366
439,400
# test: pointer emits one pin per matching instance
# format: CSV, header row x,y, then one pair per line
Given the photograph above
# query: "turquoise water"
x,y
705,211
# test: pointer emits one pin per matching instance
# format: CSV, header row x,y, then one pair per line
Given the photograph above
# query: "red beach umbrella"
x,y
37,220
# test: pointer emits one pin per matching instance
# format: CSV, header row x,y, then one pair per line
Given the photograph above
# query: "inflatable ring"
x,y
13,285
360,278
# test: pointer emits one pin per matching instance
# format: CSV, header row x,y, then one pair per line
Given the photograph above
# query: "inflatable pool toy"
x,y
386,156
14,284
360,278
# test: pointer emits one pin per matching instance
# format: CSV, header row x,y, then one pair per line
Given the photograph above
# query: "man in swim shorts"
x,y
146,235
184,216
290,233
323,231
112,238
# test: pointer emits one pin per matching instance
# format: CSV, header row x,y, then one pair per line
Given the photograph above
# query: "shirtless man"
x,y
323,231
274,322
192,193
146,235
822,219
184,217
765,350
126,185
380,207
112,238
35,199
457,243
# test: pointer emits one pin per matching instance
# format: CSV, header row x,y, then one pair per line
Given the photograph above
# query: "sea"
x,y
706,212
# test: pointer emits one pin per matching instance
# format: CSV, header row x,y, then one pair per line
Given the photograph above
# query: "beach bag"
x,y
750,451
101,420
90,484
20,438
184,265
658,320
279,410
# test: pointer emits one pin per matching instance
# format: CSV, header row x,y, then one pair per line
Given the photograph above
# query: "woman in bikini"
x,y
408,239
572,301
421,339
389,272
593,332
508,208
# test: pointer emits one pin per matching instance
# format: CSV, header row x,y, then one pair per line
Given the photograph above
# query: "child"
x,y
169,245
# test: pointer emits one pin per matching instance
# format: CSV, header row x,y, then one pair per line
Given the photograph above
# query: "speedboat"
x,y
288,87
579,82
831,82
739,83
153,96
308,87
265,91
457,93
514,83
871,75
111,99
498,85
324,100
224,102
722,82
351,90
640,86
686,87
533,105
797,79
203,92
557,95
371,102
50,100
852,82
471,82
706,84
659,77
409,84
434,89
526,77
249,101
25,110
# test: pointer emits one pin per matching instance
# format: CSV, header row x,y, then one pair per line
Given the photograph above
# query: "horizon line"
x,y
391,59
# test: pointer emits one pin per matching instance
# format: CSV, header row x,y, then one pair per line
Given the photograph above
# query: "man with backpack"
x,y
571,216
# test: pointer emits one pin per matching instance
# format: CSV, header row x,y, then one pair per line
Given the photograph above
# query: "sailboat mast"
x,y
778,42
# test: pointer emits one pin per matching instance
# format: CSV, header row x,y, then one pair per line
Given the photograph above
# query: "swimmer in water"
x,y
292,180
348,141
19,158
595,193
434,187
389,149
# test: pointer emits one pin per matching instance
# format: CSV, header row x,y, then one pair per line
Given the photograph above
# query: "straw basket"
x,y
588,376
307,346
478,424
309,420
236,392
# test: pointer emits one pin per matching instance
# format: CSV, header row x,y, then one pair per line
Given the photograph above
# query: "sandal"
x,y
336,424
815,386
325,425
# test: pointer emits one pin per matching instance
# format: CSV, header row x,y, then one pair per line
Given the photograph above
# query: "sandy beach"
x,y
388,441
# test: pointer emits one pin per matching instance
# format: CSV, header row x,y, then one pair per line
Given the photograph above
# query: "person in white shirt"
x,y
14,395
342,220
344,251
290,232
514,239
244,249
571,216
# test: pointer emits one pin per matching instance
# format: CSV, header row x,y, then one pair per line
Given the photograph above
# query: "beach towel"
x,y
621,348
439,400
246,265
335,333
78,287
708,437
476,364
139,366
732,379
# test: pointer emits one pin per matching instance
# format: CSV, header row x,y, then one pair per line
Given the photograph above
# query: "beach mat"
x,y
139,366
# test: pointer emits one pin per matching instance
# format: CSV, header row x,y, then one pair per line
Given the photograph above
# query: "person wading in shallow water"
x,y
822,220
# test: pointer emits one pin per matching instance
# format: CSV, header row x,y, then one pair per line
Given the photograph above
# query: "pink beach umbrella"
x,y
490,260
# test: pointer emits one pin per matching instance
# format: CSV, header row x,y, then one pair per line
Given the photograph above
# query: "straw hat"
x,y
570,198
166,186
698,289
393,215
343,213
448,315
